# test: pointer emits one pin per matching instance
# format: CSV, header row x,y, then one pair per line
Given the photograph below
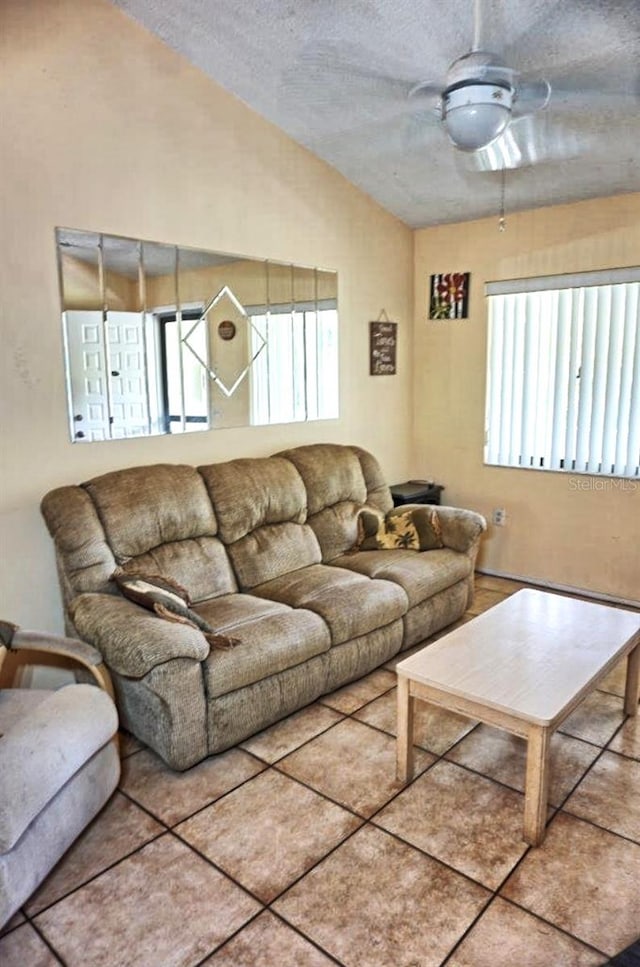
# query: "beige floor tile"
x,y
585,881
595,719
24,948
503,756
435,729
376,902
358,693
268,832
506,936
119,829
352,764
163,905
283,737
483,599
268,942
465,820
609,795
627,741
616,680
172,796
491,582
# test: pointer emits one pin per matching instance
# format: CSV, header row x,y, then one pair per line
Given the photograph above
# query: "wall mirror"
x,y
165,339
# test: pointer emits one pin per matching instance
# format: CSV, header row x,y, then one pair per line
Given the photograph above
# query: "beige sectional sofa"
x,y
265,548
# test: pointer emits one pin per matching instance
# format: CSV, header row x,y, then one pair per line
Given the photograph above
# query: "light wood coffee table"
x,y
522,666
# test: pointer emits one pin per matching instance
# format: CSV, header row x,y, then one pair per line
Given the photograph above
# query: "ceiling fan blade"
x,y
528,140
427,89
530,96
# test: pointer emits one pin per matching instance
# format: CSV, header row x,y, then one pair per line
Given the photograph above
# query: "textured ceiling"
x,y
335,75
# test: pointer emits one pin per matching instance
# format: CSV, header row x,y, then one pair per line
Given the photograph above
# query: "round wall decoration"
x,y
227,329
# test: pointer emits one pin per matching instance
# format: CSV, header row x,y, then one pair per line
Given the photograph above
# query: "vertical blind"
x,y
563,373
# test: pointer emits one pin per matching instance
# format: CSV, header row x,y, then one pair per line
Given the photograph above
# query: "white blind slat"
x,y
611,420
599,383
633,443
560,403
585,378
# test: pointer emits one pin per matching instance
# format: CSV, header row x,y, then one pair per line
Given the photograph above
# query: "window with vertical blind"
x,y
563,373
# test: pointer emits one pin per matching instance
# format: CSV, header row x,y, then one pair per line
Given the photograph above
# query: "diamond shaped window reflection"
x,y
224,299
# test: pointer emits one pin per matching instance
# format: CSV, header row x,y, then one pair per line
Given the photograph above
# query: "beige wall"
x,y
574,531
105,129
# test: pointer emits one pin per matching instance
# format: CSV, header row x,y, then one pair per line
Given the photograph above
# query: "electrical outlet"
x,y
499,516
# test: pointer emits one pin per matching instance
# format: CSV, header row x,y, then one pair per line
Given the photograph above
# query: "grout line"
x,y
531,913
556,926
95,876
323,795
38,930
219,869
430,856
309,939
470,927
302,744
210,802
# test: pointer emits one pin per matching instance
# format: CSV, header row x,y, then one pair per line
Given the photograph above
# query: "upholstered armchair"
x,y
59,764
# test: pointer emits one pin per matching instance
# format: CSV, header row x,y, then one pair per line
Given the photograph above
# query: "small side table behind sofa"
x,y
416,492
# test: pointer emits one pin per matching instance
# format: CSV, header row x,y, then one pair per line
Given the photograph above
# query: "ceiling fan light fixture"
x,y
475,114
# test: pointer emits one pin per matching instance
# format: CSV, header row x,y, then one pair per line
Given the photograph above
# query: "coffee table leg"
x,y
632,688
404,747
537,784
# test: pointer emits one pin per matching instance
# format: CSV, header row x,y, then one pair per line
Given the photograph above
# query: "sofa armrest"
x,y
131,639
461,529
45,748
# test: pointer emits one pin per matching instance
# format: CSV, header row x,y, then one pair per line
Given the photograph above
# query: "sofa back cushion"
x,y
154,520
261,509
198,564
145,507
339,481
85,560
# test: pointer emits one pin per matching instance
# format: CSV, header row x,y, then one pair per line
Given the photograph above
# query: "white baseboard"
x,y
565,588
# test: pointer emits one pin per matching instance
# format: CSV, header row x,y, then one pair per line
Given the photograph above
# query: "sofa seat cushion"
x,y
419,574
351,604
272,637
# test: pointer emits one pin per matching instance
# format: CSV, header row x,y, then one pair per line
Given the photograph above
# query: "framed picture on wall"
x,y
449,295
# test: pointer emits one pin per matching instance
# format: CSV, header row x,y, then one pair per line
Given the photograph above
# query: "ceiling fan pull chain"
x,y
502,225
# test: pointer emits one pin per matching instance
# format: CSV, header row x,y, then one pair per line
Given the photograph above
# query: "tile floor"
x,y
299,849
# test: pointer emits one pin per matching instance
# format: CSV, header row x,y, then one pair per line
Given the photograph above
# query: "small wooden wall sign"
x,y
383,340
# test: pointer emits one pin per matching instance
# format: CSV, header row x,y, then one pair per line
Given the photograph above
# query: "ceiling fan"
x,y
481,101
